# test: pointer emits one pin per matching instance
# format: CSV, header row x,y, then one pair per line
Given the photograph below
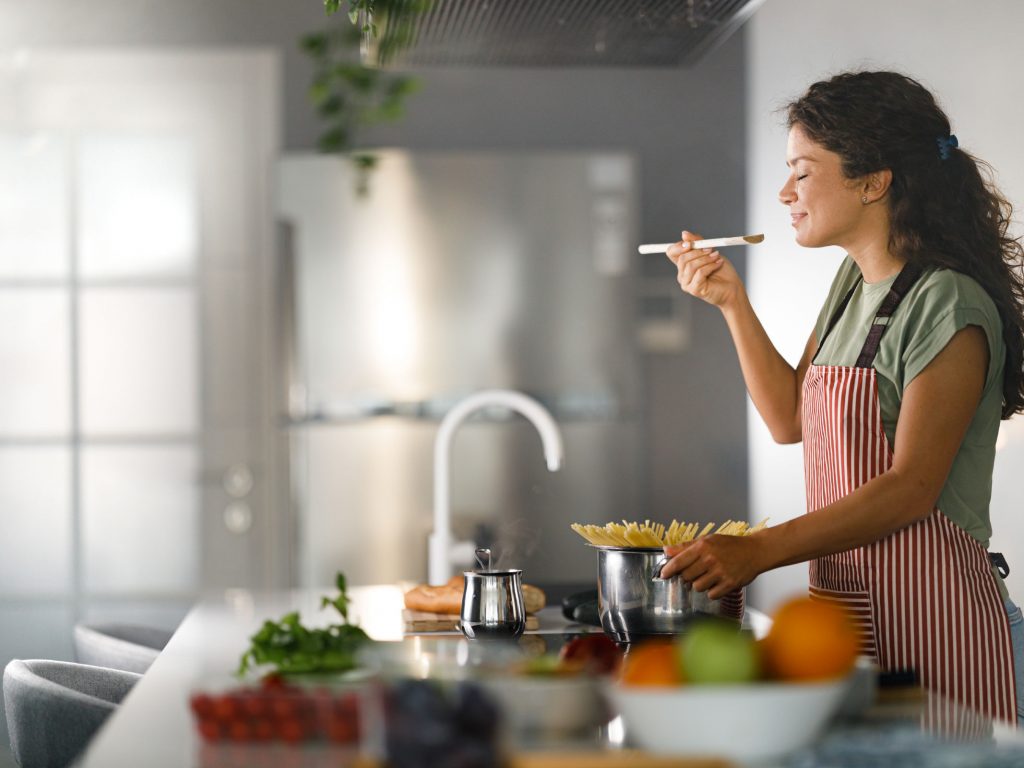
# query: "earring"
x,y
864,200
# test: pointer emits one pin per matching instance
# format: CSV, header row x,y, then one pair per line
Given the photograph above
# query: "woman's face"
x,y
824,205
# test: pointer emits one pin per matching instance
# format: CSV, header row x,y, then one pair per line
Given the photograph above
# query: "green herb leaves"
x,y
349,94
292,648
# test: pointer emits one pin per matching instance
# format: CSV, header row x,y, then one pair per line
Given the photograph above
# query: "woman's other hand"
x,y
703,272
716,564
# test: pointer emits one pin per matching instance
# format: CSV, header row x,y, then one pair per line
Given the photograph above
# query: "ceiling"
x,y
560,33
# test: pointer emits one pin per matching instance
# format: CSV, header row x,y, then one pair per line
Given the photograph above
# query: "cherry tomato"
x,y
201,705
225,707
291,731
210,730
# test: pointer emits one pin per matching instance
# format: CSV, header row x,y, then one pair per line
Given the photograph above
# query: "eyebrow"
x,y
793,160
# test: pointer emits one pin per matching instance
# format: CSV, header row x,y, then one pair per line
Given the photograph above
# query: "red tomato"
x,y
225,707
210,730
201,704
596,651
239,730
291,731
262,730
255,704
274,680
341,731
284,707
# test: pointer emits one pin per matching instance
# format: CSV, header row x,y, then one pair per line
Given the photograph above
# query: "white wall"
x,y
970,55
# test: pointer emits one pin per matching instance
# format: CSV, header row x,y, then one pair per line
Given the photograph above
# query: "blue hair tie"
x,y
947,144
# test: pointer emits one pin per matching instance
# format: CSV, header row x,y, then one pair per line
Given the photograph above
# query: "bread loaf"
x,y
447,598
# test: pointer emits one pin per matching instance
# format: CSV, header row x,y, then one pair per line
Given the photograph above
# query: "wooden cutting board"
x,y
420,621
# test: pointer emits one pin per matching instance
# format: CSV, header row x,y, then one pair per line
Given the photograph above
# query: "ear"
x,y
875,185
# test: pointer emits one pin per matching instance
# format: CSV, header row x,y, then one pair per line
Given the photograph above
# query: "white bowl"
x,y
760,721
549,706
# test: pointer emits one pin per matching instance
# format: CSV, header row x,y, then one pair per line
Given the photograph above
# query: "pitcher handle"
x,y
482,554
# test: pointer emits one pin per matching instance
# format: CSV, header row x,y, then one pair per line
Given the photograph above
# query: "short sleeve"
x,y
846,277
948,303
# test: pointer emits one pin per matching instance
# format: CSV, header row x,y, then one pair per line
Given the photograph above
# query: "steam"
x,y
516,541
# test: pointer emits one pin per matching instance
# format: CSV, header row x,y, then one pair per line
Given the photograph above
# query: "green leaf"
x,y
349,96
315,44
320,91
365,162
293,648
334,140
331,106
403,86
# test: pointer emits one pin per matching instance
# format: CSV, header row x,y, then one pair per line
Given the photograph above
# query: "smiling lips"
x,y
796,218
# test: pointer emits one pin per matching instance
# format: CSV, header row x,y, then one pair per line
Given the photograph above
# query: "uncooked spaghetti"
x,y
648,534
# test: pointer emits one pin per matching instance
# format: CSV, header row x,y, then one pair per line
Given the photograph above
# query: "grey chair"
x,y
129,647
55,707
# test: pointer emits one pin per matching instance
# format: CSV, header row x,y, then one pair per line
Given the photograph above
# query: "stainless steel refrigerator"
x,y
457,272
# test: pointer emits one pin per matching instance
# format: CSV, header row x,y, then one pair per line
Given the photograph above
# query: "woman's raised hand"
x,y
702,272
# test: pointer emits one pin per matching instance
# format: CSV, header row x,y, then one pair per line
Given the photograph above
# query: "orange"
x,y
809,640
651,663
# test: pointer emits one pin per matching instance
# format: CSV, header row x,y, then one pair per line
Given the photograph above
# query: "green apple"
x,y
717,651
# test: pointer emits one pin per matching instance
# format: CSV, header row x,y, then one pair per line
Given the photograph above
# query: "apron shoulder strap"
x,y
833,320
899,289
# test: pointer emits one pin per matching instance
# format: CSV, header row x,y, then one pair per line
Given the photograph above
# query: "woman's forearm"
x,y
771,381
876,509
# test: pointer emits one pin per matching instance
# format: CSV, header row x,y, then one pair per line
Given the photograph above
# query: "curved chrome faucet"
x,y
441,549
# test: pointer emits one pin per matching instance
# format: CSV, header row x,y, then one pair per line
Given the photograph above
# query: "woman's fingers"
x,y
694,272
704,583
702,275
682,557
700,268
683,247
677,251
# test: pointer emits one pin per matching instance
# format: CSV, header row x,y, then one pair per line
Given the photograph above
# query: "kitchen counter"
x,y
154,727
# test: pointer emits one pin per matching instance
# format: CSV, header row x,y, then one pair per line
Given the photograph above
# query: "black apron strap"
x,y
901,285
833,320
999,563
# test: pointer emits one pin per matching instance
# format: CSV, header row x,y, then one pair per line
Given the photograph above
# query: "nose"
x,y
788,192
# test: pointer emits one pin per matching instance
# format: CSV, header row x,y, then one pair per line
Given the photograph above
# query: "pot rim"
x,y
612,548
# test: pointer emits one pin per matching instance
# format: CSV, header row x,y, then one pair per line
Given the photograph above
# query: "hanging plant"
x,y
350,95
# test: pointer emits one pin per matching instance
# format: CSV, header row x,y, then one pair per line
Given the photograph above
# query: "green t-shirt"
x,y
939,304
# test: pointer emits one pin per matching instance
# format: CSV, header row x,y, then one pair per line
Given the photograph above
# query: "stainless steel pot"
x,y
634,602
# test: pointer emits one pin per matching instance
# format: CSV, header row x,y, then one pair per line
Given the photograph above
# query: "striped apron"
x,y
924,598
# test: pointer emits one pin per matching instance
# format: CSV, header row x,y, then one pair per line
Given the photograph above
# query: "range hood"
x,y
556,33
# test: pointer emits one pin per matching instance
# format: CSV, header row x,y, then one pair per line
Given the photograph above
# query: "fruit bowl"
x,y
544,707
756,721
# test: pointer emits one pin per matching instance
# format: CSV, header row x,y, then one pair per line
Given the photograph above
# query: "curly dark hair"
x,y
944,212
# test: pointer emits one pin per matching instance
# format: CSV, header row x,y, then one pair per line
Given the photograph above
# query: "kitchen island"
x,y
154,726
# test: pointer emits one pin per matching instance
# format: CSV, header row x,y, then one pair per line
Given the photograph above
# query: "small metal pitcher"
x,y
492,602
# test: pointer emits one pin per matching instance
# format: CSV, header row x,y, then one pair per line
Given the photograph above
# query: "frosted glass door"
x,y
33,205
135,341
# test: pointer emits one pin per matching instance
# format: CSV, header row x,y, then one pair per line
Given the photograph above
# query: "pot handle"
x,y
657,568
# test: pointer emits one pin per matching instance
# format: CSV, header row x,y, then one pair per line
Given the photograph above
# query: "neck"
x,y
875,266
870,251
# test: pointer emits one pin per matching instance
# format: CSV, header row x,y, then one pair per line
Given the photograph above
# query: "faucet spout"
x,y
441,547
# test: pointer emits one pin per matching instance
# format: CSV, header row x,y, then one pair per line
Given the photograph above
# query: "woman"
x,y
916,355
